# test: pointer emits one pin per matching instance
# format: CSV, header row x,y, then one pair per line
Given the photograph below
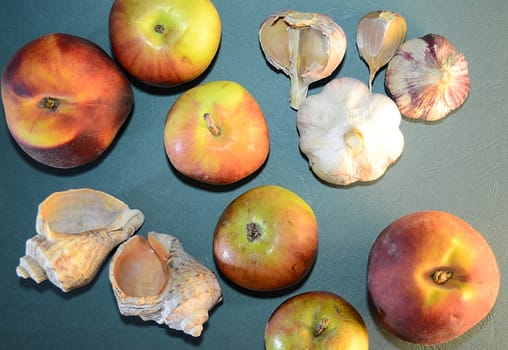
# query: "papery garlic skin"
x,y
348,133
305,46
378,36
428,78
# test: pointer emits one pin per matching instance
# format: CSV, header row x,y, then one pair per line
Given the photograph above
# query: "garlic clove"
x,y
378,36
305,46
428,78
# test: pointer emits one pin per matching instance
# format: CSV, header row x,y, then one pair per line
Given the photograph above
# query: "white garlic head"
x,y
348,133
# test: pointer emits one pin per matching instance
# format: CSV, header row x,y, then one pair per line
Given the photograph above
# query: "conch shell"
x,y
157,280
76,231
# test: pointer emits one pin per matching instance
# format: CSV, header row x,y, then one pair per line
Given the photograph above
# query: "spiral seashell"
x,y
157,280
76,231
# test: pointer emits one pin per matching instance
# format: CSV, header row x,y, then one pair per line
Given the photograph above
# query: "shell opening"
x,y
80,210
139,271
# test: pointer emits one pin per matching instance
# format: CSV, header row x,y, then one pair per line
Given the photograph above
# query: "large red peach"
x,y
65,100
431,277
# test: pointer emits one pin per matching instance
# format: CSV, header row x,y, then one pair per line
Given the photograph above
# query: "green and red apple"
x,y
431,277
65,100
266,239
316,320
164,42
216,133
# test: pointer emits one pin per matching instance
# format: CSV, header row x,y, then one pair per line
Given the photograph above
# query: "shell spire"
x,y
76,231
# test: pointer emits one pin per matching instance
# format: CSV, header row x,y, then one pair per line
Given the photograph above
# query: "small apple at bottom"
x,y
316,320
65,100
164,42
216,133
266,239
431,277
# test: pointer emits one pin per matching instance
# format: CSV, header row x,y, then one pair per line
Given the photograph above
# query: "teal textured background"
x,y
457,165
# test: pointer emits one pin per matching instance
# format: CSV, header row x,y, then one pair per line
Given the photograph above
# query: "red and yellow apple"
x,y
316,320
216,133
164,42
431,277
266,239
65,100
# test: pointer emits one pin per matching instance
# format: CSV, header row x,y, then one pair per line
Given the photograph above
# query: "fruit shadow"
x,y
76,170
399,343
211,187
172,90
266,294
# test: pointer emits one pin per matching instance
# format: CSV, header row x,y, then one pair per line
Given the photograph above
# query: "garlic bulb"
x,y
378,36
427,78
348,133
305,46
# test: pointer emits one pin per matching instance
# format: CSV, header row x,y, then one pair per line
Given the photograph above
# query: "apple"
x,y
431,277
65,100
216,133
266,239
164,42
316,320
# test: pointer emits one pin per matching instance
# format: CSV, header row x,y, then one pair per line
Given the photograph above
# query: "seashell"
x,y
76,231
157,280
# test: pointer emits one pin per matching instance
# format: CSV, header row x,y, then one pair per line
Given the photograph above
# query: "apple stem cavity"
x,y
253,231
441,276
49,103
214,129
159,28
321,326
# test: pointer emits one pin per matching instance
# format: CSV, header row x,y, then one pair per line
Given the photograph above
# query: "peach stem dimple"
x,y
49,103
441,276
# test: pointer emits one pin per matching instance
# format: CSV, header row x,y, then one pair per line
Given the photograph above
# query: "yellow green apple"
x,y
316,320
65,99
164,42
431,277
266,239
216,133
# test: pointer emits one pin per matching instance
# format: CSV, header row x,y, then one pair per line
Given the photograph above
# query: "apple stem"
x,y
214,129
49,103
321,326
253,231
441,276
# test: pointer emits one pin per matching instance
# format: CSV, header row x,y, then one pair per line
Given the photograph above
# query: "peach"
x,y
65,100
431,277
